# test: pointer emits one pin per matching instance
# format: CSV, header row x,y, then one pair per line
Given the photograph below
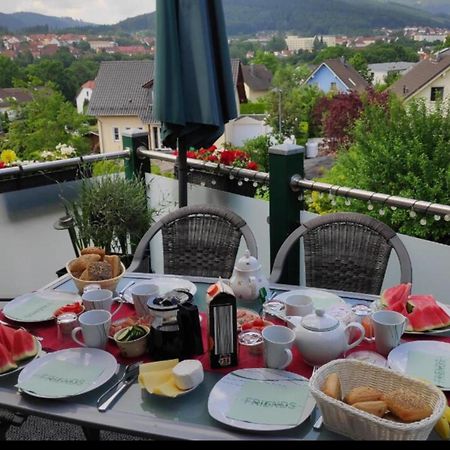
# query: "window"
x,y
437,93
333,86
116,134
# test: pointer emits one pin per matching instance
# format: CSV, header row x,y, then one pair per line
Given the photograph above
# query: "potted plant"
x,y
110,212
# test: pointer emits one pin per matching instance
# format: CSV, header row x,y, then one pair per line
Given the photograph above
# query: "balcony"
x,y
30,203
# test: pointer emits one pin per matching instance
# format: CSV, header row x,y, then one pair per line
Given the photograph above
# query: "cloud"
x,y
96,11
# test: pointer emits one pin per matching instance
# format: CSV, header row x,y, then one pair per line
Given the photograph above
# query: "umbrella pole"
x,y
182,174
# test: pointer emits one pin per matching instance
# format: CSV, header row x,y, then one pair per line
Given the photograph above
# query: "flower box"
x,y
220,181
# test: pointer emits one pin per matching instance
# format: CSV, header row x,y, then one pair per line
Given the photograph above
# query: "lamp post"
x,y
278,91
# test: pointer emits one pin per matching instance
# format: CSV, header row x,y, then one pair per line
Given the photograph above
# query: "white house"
x,y
428,80
84,96
381,70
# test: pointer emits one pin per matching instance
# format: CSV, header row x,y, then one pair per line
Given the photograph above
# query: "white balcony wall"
x,y
32,251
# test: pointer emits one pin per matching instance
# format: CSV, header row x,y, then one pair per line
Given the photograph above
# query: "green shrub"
x,y
258,149
401,150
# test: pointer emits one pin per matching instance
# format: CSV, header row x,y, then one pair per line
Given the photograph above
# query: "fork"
x,y
130,368
318,423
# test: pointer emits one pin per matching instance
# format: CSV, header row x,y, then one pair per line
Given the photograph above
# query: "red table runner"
x,y
50,342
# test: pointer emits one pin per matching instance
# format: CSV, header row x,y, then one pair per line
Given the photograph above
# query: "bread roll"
x,y
363,394
114,262
98,271
93,251
85,275
332,386
377,408
406,405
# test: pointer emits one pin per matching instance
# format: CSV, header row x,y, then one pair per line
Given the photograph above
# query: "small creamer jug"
x,y
248,278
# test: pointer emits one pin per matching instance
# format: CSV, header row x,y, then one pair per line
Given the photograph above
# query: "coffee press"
x,y
175,331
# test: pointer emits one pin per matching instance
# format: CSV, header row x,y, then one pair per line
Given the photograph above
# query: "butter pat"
x,y
188,374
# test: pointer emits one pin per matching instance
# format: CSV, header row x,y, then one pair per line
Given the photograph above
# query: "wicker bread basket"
x,y
356,424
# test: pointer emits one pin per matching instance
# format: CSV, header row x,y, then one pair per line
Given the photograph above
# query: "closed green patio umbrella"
x,y
194,92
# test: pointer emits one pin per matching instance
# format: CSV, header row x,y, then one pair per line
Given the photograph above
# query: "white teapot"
x,y
248,278
320,338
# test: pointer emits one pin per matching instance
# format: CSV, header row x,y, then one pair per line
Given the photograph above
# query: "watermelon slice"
x,y
6,336
24,345
395,297
425,314
6,361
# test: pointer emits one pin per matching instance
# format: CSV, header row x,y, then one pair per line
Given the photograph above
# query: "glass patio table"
x,y
140,413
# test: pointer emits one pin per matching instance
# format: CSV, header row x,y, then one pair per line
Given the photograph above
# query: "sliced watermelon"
x,y
395,297
6,336
24,345
6,361
425,314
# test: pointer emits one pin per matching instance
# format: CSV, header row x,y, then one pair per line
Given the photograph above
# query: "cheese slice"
x,y
169,388
158,365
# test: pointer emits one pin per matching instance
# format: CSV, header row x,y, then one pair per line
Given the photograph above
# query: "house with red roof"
x,y
84,96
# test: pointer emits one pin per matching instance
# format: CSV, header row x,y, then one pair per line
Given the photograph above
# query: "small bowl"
x,y
132,349
109,284
252,340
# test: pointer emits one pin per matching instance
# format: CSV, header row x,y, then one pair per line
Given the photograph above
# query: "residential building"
x,y
337,75
257,81
123,99
98,46
84,96
428,80
9,97
381,70
296,43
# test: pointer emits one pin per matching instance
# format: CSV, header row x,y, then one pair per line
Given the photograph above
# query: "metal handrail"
x,y
61,163
297,183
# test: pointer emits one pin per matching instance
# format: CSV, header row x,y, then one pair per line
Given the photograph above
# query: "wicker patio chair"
x,y
199,240
345,251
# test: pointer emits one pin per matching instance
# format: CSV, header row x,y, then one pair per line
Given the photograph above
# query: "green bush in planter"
x,y
111,212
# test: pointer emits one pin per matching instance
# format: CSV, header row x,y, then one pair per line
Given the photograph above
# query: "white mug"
x,y
388,328
278,342
99,299
94,326
141,294
298,305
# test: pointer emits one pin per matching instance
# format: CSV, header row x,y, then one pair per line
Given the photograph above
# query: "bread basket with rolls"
x,y
93,266
366,402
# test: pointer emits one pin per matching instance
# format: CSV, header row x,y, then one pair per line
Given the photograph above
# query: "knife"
x,y
121,388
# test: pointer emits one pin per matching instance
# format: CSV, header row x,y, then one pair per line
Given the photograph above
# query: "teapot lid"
x,y
247,263
319,321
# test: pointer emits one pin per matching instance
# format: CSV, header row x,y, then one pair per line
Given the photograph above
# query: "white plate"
x,y
398,357
25,362
165,284
321,299
12,308
225,390
79,356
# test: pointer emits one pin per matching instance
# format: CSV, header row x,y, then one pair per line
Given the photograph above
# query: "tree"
x,y
336,115
268,59
398,150
8,71
333,53
359,63
276,44
45,122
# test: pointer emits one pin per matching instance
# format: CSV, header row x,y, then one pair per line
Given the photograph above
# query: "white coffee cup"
x,y
141,294
278,342
388,328
94,325
99,299
298,305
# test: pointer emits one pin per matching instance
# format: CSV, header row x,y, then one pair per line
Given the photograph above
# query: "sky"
x,y
95,11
